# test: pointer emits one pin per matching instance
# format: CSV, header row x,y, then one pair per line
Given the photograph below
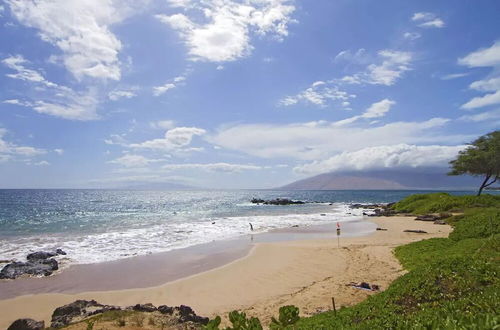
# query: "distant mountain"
x,y
158,186
429,178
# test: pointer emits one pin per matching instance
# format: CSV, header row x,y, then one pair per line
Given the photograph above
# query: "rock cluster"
x,y
82,309
27,324
437,219
38,263
379,210
277,201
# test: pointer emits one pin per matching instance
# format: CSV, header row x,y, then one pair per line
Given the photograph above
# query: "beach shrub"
x,y
288,315
475,223
238,320
444,202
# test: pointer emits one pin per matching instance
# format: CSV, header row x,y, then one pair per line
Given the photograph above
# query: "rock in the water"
x,y
43,267
27,324
164,309
40,255
77,311
149,308
277,201
186,314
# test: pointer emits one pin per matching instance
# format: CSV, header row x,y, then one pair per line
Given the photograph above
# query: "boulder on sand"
x,y
27,324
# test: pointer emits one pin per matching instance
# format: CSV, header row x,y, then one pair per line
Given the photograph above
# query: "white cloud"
x,y
17,63
42,163
162,124
319,93
482,101
226,33
359,57
175,139
385,156
491,116
130,160
212,167
485,57
120,94
391,68
316,140
11,151
159,90
412,35
376,110
60,101
454,76
59,151
427,20
81,30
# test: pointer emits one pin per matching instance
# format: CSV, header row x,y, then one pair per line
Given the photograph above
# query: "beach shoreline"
x,y
258,280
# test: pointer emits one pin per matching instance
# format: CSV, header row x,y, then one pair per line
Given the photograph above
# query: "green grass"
x,y
452,283
444,202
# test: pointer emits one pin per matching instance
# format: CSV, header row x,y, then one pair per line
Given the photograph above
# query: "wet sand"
x,y
306,273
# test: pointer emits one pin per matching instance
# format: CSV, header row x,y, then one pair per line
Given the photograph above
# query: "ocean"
x,y
103,225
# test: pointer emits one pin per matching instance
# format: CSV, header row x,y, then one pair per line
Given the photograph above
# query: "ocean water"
x,y
103,225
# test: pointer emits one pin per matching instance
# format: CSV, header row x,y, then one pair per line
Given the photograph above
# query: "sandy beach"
x,y
305,273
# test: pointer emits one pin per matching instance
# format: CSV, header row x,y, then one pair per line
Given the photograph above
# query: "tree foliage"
x,y
481,158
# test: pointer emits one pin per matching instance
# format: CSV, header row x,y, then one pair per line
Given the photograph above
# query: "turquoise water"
x,y
103,225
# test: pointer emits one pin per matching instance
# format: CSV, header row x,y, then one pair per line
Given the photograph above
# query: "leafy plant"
x,y
288,315
238,320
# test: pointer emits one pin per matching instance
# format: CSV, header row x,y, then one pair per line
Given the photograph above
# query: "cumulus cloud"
x,y
225,34
427,20
130,160
485,57
175,139
42,163
316,140
319,93
59,151
391,67
81,30
12,151
212,167
385,156
376,110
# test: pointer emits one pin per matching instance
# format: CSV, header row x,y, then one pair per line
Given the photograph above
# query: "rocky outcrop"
x,y
27,324
38,263
277,201
378,210
77,311
82,309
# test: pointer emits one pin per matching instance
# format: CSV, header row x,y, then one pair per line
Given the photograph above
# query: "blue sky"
x,y
239,94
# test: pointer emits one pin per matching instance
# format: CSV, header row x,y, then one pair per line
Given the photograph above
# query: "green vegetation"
x,y
481,158
452,283
444,202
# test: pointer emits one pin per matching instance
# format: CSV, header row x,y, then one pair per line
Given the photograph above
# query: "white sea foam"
x,y
173,234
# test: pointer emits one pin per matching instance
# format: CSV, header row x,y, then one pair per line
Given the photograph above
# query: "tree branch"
x,y
492,182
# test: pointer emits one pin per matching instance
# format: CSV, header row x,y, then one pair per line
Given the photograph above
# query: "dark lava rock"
x,y
39,263
164,309
77,311
37,268
440,222
277,201
427,217
186,314
149,308
415,231
27,324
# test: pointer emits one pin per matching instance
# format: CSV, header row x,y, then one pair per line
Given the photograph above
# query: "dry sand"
x,y
303,273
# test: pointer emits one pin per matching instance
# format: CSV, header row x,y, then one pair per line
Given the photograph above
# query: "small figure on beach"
x,y
251,226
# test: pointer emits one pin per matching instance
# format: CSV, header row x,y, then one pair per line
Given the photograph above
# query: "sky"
x,y
240,93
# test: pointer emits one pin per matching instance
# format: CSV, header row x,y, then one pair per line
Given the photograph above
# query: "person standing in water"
x,y
251,226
